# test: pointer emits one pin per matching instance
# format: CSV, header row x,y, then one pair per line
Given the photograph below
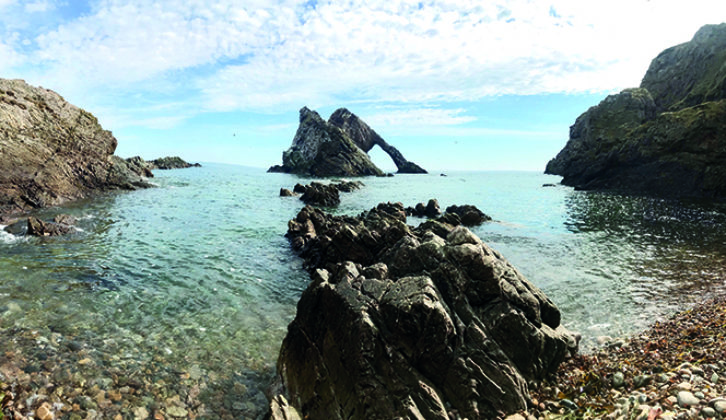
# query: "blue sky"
x,y
454,84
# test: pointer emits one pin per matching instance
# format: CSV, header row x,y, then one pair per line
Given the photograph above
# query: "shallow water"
x,y
196,275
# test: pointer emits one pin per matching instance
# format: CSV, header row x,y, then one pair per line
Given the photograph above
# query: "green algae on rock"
x,y
665,138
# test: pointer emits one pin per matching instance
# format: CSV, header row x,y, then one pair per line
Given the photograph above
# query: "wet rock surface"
x,y
423,322
466,214
322,195
664,138
53,151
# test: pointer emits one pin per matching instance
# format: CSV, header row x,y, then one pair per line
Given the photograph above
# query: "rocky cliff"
x,y
417,323
52,151
666,138
365,138
338,147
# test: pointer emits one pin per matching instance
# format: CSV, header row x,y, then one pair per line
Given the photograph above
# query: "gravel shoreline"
x,y
676,369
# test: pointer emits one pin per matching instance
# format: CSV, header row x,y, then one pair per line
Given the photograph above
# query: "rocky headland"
x,y
170,162
402,322
52,151
338,147
665,138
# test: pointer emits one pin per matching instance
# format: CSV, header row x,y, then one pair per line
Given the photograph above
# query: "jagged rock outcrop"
x,y
52,151
691,73
337,148
365,137
465,214
468,214
140,166
666,138
319,194
172,162
410,323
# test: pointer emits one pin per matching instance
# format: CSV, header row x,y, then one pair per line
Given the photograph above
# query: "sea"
x,y
195,279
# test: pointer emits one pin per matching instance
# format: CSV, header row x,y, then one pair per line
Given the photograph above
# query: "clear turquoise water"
x,y
196,275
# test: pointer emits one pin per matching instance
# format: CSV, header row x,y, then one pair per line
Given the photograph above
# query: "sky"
x,y
453,84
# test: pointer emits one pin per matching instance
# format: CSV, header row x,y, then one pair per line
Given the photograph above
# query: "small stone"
x,y
720,406
618,379
603,339
641,381
684,386
44,412
699,395
708,412
141,413
568,404
175,411
195,372
84,361
714,378
516,416
686,399
697,371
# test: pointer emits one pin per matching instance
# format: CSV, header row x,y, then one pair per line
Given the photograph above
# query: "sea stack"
x,y
338,147
665,138
52,151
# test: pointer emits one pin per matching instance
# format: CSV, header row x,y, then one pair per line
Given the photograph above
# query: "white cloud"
x,y
418,117
277,56
39,6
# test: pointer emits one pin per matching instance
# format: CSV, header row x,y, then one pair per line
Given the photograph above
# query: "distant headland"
x,y
665,138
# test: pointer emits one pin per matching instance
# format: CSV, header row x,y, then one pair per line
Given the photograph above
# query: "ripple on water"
x,y
196,275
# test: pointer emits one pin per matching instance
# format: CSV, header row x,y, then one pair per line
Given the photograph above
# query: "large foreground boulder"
x,y
338,147
666,138
52,151
419,323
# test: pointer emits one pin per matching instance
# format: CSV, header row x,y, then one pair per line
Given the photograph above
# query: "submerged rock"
x,y
406,323
37,227
52,151
337,147
665,138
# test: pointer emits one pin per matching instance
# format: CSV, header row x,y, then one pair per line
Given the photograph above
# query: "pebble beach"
x,y
676,369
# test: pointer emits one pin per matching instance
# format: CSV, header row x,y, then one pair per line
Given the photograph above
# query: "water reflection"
x,y
652,254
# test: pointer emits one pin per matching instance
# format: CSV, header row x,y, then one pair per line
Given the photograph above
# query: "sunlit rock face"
x,y
338,147
52,151
666,138
402,322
